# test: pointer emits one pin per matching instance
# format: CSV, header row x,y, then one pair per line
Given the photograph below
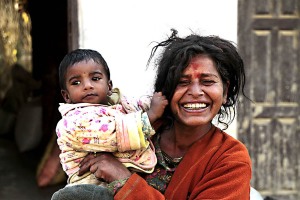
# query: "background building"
x,y
266,33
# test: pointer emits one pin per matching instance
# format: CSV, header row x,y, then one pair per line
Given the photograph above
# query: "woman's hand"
x,y
104,166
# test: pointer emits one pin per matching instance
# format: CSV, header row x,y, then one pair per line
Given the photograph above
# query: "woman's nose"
x,y
196,89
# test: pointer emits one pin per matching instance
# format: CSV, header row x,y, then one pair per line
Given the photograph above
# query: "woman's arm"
x,y
107,167
104,166
136,188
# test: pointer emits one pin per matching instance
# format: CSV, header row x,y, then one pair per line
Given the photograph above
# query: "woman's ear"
x,y
66,96
110,87
225,93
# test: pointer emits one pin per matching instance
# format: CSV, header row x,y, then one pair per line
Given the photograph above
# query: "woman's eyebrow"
x,y
202,75
209,75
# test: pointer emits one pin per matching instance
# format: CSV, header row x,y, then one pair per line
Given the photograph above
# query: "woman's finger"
x,y
86,163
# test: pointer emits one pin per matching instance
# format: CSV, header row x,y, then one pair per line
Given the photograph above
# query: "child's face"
x,y
86,82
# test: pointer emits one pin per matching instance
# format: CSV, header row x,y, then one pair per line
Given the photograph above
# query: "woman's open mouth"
x,y
194,106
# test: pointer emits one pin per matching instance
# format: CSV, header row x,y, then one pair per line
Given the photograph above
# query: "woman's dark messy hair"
x,y
77,56
176,55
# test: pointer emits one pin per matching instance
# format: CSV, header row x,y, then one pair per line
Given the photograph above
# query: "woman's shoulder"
x,y
233,147
229,140
220,144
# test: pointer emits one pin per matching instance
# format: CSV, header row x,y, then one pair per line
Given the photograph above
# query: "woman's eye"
x,y
208,82
183,82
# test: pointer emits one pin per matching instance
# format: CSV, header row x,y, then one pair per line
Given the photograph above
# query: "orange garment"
x,y
217,166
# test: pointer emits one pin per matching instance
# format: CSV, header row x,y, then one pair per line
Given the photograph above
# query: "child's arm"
x,y
97,128
135,127
157,106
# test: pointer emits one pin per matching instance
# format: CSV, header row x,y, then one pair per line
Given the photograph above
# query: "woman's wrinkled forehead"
x,y
201,63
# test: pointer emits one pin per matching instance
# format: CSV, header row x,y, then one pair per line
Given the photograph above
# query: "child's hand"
x,y
157,107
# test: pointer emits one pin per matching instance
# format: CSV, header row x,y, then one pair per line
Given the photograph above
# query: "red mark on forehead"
x,y
194,66
193,69
200,66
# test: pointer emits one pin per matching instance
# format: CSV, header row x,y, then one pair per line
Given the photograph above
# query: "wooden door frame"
x,y
73,25
270,127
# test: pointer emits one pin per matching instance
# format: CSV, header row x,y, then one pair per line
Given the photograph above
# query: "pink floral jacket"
x,y
123,129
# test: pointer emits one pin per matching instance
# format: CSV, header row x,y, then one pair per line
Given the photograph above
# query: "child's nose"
x,y
88,85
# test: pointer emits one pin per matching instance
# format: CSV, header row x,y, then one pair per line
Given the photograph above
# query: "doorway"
x,y
49,45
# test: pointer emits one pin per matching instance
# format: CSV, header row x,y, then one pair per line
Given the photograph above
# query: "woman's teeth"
x,y
194,105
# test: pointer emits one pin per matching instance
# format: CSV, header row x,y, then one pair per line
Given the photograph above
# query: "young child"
x,y
97,118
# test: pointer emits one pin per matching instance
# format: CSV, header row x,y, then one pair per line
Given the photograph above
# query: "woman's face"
x,y
86,82
199,94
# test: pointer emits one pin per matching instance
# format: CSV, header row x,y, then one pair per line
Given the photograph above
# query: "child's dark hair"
x,y
176,56
77,56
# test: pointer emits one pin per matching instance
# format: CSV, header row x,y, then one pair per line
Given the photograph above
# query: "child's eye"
x,y
96,78
75,83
